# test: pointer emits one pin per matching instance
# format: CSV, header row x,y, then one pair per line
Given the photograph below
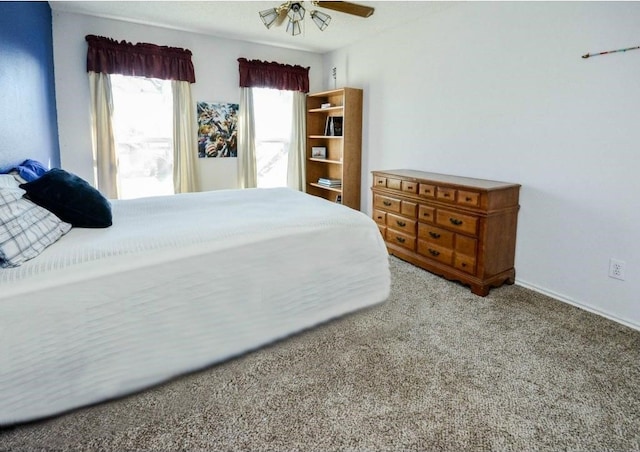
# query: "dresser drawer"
x,y
466,245
426,213
408,208
399,238
379,181
394,184
465,263
446,194
380,216
435,235
401,224
427,190
383,230
409,187
457,221
468,198
441,254
386,203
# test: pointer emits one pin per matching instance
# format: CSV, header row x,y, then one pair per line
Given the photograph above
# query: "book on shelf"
x,y
333,126
328,127
330,182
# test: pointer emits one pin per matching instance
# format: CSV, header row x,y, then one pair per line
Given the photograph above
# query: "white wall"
x,y
498,90
215,62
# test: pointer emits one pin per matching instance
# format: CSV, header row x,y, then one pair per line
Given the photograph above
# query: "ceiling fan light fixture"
x,y
269,17
321,19
293,27
296,12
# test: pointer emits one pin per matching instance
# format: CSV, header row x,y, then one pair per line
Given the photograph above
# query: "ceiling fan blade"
x,y
347,7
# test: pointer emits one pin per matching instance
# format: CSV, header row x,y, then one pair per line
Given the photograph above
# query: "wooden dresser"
x,y
461,228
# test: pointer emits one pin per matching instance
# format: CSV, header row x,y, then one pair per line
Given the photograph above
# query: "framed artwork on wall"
x,y
217,129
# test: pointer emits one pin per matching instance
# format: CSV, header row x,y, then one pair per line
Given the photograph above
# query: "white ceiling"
x,y
240,19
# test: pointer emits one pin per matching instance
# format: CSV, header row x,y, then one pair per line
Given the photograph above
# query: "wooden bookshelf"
x,y
343,152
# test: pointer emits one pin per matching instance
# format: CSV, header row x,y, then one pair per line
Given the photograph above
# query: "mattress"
x,y
176,284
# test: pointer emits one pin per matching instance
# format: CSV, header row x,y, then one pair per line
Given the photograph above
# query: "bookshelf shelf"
x,y
328,109
337,162
324,187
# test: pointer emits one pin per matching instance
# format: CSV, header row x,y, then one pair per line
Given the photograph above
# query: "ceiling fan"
x,y
295,12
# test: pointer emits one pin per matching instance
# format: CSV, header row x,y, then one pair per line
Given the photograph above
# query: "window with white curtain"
x,y
143,133
273,117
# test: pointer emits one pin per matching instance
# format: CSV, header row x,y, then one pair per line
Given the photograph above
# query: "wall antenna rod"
x,y
609,51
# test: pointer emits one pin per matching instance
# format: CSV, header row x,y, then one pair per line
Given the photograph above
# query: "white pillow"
x,y
26,229
9,181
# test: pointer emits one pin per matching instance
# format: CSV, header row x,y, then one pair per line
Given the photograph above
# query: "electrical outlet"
x,y
616,269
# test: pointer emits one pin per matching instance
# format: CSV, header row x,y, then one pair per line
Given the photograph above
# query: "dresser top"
x,y
448,179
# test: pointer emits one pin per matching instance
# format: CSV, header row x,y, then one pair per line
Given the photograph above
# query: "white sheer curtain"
x,y
247,172
103,143
185,139
296,163
263,74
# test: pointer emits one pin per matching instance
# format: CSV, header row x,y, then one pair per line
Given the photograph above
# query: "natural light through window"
x,y
143,129
273,111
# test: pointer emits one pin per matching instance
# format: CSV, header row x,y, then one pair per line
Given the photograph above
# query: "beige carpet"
x,y
434,368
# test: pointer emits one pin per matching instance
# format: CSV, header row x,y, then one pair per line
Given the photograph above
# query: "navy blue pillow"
x,y
70,198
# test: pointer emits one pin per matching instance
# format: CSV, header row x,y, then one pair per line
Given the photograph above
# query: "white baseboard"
x,y
575,303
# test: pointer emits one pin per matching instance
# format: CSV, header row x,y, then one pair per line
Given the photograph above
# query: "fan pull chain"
x,y
609,51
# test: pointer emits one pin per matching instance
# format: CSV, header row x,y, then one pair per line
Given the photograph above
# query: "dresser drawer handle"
x,y
446,195
381,182
402,224
467,199
410,187
400,239
455,221
434,252
386,203
435,235
379,217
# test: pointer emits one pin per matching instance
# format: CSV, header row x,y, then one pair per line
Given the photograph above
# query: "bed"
x,y
176,284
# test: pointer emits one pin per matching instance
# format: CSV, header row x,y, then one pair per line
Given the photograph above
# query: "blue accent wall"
x,y
28,122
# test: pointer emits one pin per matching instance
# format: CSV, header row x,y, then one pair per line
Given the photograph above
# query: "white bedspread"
x,y
176,284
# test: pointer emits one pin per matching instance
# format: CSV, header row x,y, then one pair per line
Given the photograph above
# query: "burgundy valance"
x,y
144,60
260,74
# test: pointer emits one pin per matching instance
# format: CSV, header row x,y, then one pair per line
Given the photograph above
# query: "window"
x,y
143,129
273,111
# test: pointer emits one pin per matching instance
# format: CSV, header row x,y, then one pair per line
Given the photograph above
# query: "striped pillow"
x,y
26,229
